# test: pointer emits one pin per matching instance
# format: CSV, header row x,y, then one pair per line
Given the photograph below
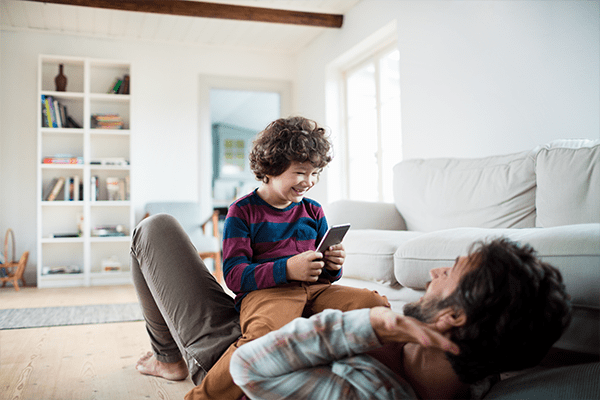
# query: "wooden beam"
x,y
211,10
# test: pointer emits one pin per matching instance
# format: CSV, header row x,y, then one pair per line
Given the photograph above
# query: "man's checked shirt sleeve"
x,y
317,358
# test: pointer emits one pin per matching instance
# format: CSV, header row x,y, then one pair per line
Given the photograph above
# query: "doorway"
x,y
232,112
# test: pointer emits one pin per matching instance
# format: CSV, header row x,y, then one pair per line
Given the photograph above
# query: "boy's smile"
x,y
291,186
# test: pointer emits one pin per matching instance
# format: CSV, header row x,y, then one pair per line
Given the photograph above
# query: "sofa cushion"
x,y
490,192
370,253
573,249
568,183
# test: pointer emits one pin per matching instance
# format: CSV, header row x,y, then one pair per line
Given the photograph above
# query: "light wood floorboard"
x,y
77,362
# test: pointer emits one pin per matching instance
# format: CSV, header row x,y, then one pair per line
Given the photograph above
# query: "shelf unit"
x,y
86,95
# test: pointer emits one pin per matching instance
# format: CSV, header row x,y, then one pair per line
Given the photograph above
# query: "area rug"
x,y
19,318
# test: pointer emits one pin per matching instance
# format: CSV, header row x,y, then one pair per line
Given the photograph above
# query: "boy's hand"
x,y
305,267
393,327
334,257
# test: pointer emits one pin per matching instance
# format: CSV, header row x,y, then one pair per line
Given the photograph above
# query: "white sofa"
x,y
548,197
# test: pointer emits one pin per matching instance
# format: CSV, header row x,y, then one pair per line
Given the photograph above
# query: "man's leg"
x,y
185,309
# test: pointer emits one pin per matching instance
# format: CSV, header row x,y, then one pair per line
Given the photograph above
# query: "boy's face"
x,y
291,186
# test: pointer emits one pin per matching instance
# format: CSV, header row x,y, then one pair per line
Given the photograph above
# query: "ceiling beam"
x,y
211,10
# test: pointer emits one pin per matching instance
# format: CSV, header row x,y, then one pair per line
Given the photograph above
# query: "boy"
x,y
269,243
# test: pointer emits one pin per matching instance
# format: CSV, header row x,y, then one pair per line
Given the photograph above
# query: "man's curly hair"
x,y
516,307
287,140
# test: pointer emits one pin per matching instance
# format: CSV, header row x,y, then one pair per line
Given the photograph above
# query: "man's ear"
x,y
449,318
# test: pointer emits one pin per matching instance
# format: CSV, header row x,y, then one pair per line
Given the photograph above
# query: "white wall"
x,y
165,120
477,77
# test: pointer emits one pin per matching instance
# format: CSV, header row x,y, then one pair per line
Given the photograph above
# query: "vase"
x,y
60,80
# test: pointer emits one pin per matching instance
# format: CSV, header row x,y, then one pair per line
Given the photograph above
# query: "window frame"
x,y
372,57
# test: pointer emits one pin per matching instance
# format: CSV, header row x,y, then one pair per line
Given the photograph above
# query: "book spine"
x,y
44,114
56,190
48,112
76,188
68,188
52,112
49,188
57,114
115,88
94,187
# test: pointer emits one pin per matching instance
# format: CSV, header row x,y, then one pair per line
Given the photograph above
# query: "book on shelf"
x,y
46,101
73,123
56,113
94,188
120,161
57,185
64,235
124,89
107,121
62,160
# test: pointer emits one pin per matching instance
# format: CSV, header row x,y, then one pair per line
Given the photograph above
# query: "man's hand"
x,y
305,267
393,327
334,257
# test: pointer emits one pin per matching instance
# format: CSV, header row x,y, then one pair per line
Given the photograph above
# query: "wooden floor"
x,y
77,362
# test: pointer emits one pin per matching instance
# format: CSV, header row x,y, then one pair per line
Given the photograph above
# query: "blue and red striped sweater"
x,y
258,239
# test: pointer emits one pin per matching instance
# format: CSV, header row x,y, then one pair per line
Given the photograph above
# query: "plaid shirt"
x,y
317,358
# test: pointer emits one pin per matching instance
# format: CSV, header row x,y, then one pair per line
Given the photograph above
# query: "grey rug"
x,y
19,318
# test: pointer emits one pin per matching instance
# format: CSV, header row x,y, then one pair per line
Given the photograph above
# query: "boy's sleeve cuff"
x,y
280,271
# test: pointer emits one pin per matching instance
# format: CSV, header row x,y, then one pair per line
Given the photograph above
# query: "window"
x,y
372,126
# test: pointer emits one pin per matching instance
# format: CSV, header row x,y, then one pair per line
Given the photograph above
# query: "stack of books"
x,y
107,121
59,159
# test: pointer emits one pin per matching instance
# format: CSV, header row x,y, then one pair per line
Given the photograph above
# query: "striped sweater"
x,y
258,239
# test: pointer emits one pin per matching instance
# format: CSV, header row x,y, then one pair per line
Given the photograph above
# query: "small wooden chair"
x,y
15,271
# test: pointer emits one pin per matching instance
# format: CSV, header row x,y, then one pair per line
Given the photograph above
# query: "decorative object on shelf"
x,y
111,264
109,230
60,80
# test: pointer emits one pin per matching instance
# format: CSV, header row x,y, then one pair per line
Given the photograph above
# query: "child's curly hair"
x,y
286,140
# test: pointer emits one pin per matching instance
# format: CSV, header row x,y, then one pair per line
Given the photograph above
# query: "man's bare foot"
x,y
149,365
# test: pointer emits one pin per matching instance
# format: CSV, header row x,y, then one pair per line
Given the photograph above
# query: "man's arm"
x,y
317,358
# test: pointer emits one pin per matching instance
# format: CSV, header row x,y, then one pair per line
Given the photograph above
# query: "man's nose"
x,y
436,272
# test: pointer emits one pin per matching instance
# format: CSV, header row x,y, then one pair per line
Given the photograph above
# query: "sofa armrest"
x,y
365,215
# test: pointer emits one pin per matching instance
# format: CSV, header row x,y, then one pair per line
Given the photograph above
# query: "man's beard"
x,y
425,310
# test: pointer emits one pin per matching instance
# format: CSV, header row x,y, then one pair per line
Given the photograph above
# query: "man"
x,y
498,309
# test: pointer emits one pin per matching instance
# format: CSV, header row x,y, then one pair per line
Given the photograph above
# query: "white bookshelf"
x,y
88,81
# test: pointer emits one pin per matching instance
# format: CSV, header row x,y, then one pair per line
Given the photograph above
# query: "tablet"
x,y
333,236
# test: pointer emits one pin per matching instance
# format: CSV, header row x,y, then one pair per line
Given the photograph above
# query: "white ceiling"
x,y
96,22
